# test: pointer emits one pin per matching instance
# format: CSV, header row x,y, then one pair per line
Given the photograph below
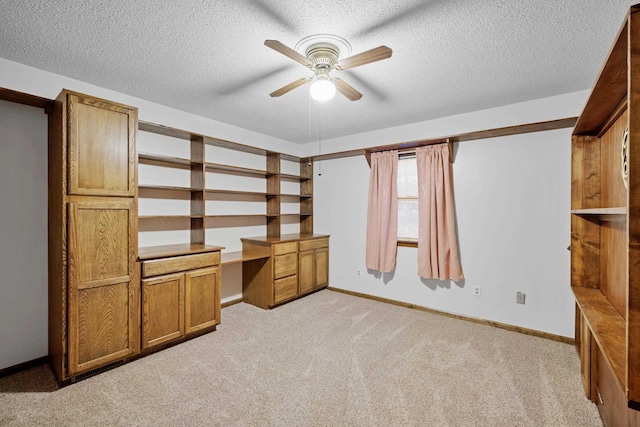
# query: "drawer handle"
x,y
600,398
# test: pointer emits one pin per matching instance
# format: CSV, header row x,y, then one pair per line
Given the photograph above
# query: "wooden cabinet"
x,y
180,293
292,265
314,265
102,283
605,232
93,279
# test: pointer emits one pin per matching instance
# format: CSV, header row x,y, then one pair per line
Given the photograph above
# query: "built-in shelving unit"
x,y
605,232
203,188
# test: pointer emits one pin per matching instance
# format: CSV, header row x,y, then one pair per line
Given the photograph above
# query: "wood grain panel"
x,y
162,309
202,299
585,252
306,271
285,265
608,328
322,267
102,240
609,90
613,264
611,399
613,191
157,267
633,275
285,289
103,289
102,153
285,248
103,323
57,241
306,205
273,187
585,172
585,357
308,245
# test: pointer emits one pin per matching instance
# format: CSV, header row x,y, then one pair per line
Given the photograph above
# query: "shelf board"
x,y
297,214
240,193
143,217
617,214
237,216
297,196
239,256
168,188
296,178
607,326
148,158
217,167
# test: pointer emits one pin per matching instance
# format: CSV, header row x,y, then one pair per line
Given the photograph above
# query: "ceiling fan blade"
x,y
291,86
376,54
287,51
346,89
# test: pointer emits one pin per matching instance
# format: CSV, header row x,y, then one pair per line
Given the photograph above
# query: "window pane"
x,y
407,177
408,218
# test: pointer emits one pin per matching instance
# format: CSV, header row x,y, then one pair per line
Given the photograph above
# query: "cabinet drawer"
x,y
314,244
285,265
285,248
156,267
285,288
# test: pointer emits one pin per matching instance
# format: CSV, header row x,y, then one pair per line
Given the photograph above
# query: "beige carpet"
x,y
326,360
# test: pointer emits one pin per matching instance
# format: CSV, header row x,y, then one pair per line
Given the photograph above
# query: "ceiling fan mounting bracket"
x,y
327,46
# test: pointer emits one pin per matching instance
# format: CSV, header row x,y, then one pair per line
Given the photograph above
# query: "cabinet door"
x,y
101,137
322,267
306,274
162,309
202,298
103,306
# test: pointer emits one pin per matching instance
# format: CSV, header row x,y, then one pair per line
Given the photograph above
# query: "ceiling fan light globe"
x,y
322,89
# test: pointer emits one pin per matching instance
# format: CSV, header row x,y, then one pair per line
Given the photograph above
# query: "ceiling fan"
x,y
322,56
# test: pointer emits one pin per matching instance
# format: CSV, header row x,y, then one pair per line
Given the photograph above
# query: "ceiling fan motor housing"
x,y
323,55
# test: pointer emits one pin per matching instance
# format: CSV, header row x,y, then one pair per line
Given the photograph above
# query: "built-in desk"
x,y
283,268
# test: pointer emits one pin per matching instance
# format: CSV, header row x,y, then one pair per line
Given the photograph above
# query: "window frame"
x,y
407,241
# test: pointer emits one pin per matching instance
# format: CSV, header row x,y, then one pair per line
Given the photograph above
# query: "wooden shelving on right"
x,y
605,231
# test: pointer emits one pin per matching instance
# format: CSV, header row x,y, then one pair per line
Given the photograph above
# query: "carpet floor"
x,y
329,359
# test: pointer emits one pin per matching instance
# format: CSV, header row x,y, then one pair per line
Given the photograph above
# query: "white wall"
x,y
23,234
512,205
531,243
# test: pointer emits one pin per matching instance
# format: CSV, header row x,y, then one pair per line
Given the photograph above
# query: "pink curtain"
x,y
437,241
382,215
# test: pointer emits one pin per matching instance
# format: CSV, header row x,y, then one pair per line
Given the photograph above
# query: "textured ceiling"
x,y
208,58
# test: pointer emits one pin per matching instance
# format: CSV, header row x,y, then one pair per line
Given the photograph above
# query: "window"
x,y
407,198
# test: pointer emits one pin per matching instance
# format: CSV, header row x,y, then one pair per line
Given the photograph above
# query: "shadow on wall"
x,y
386,277
434,284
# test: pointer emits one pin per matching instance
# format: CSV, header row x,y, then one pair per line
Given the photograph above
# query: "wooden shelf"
x,y
237,216
296,196
618,214
143,217
168,188
240,193
217,167
148,158
295,178
607,326
153,252
239,256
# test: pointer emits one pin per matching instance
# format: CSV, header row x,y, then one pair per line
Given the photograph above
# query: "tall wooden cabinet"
x,y
93,279
605,232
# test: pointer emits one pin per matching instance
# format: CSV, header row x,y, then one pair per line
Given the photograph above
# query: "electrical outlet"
x,y
358,272
520,298
476,291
